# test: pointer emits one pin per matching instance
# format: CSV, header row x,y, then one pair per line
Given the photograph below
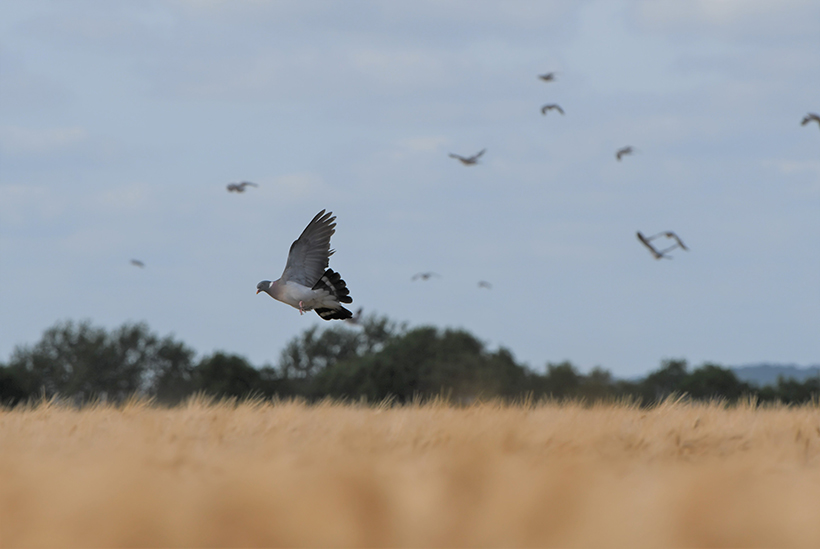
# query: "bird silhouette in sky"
x,y
811,117
240,187
550,107
658,254
623,151
548,77
306,283
485,284
424,276
137,263
469,160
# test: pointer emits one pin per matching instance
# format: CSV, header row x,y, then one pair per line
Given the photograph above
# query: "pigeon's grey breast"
x,y
309,254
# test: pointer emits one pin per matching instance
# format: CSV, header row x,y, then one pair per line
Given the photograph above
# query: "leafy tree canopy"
x,y
376,359
79,360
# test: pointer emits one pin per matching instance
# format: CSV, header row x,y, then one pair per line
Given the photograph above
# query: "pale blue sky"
x,y
122,122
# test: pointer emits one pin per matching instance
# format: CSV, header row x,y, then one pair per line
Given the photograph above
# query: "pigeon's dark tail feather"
x,y
332,283
334,314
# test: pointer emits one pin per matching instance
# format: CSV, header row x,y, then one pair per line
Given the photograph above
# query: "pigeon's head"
x,y
263,286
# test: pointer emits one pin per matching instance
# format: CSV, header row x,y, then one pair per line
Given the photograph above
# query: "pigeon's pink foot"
x,y
301,310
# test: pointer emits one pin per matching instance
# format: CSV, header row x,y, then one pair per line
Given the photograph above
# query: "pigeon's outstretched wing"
x,y
310,253
546,108
646,242
469,160
623,151
811,117
676,238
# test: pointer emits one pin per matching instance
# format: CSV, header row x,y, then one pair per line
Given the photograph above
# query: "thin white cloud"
x,y
20,140
356,48
415,146
29,205
788,167
297,187
125,198
24,91
804,175
750,19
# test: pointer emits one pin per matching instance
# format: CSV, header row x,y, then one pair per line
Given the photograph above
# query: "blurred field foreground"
x,y
291,474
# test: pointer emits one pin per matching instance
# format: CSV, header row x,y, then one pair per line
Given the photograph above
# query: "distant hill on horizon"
x,y
767,374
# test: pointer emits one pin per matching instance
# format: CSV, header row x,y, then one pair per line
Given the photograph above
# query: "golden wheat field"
x,y
332,474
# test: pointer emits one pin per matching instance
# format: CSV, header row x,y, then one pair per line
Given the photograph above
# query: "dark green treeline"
x,y
376,360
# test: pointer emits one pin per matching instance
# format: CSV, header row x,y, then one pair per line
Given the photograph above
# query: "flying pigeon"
x,y
240,187
546,108
623,151
137,263
549,77
658,254
485,284
306,283
470,160
424,276
811,117
356,318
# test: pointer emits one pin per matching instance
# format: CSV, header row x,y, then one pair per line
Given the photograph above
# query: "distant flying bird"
x,y
137,263
485,284
553,106
470,160
306,283
548,77
623,151
424,276
811,117
356,318
658,254
240,187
